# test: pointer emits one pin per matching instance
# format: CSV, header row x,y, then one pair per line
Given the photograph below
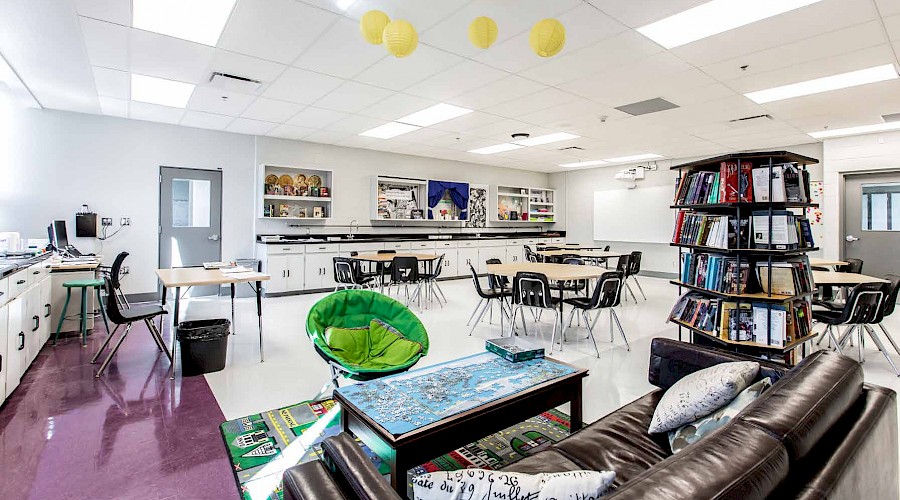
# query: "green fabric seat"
x,y
83,283
363,353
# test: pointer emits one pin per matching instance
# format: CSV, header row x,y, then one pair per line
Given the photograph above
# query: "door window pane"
x,y
880,207
190,203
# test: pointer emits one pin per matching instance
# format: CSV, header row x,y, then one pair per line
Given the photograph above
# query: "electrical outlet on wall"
x,y
125,221
106,221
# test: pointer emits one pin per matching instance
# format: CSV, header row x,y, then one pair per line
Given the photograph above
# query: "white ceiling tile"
x,y
628,83
354,124
352,97
312,117
892,24
326,137
888,7
503,128
456,80
232,63
113,11
154,112
422,135
467,122
271,110
513,55
290,132
112,83
301,86
422,15
336,6
199,119
166,57
637,14
528,104
396,106
342,52
401,73
107,43
500,91
251,127
586,25
275,30
211,100
114,107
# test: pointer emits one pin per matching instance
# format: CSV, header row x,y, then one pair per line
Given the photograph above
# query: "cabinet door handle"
x,y
288,273
283,273
37,322
20,282
47,313
36,272
21,341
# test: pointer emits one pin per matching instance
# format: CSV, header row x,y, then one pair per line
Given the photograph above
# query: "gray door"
x,y
190,219
872,221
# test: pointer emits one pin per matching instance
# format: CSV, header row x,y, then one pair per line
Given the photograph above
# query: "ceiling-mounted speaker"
x,y
234,83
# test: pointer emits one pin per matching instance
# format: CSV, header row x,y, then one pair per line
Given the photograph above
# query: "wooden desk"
x,y
590,254
843,279
815,261
198,276
387,257
73,266
554,272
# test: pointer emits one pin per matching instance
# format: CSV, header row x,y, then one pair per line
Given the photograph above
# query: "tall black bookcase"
x,y
756,257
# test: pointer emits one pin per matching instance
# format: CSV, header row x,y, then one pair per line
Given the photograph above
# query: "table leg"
x,y
84,297
174,328
259,318
562,332
575,407
233,328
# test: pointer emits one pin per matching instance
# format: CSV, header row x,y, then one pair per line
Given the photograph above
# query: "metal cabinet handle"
x,y
286,249
288,273
22,341
36,272
47,314
37,322
283,273
20,282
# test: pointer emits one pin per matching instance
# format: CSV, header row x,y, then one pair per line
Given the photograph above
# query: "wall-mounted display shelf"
x,y
294,193
398,198
524,204
742,253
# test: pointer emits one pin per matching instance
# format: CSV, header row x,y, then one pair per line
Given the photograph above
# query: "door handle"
x,y
850,238
46,314
37,322
214,237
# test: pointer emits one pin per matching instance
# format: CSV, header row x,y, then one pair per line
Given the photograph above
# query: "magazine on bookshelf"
x,y
789,231
789,277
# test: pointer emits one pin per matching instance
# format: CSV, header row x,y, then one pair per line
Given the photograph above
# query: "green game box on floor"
x,y
514,349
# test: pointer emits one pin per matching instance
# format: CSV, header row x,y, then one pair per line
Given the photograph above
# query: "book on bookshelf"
x,y
789,277
696,311
789,231
715,272
789,183
716,231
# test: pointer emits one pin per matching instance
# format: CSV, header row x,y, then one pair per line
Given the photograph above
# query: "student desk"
x,y
843,279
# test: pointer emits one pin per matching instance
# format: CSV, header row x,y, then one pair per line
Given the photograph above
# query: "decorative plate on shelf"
x,y
314,181
301,181
271,179
285,180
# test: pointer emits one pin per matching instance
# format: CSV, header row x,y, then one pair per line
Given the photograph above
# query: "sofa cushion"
x,y
701,393
619,441
803,405
544,461
482,483
671,360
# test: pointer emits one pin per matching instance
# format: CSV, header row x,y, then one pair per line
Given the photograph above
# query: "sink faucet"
x,y
354,222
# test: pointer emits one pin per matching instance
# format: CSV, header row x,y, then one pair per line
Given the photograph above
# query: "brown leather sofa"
x,y
818,432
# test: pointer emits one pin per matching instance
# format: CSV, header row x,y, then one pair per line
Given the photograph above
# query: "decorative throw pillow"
x,y
698,429
480,483
701,393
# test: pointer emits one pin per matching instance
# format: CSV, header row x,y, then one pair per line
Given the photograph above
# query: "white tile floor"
x,y
293,372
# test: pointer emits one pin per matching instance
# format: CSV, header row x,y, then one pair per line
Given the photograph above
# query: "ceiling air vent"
x,y
748,121
234,83
571,148
649,106
747,118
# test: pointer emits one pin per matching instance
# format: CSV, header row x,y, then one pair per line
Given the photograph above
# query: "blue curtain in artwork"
x,y
459,194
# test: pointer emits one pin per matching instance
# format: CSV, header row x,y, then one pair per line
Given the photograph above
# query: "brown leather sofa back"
x,y
670,361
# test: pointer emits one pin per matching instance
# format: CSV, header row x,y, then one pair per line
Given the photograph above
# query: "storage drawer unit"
x,y
397,245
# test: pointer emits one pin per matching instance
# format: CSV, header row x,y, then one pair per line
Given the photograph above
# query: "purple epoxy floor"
x,y
132,434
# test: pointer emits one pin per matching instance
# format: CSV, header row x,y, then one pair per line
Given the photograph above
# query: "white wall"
x,y
577,188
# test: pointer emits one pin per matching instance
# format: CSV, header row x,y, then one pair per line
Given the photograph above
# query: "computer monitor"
x,y
61,239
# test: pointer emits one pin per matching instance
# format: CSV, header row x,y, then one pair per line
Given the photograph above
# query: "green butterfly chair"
x,y
364,354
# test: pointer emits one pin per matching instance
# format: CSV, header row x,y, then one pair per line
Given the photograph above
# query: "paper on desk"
x,y
237,270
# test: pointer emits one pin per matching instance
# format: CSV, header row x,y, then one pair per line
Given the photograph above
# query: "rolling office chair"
x,y
485,297
606,296
532,290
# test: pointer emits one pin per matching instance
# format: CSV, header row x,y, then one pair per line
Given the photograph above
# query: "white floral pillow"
x,y
480,483
701,393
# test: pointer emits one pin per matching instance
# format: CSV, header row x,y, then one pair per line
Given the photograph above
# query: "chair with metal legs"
x,y
634,267
430,277
888,308
127,317
348,275
606,296
532,290
484,303
405,272
863,307
622,266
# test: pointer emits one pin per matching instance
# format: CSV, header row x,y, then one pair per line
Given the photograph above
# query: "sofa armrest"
x,y
311,481
671,360
351,470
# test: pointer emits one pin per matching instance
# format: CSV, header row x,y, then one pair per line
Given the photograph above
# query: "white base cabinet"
x,y
16,355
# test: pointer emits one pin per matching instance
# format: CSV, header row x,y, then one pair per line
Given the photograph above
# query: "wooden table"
x,y
387,257
843,279
586,253
198,276
405,451
73,266
815,261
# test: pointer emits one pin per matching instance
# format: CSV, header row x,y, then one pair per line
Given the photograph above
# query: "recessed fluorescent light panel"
x,y
833,82
863,129
582,163
627,159
388,130
715,17
547,139
200,21
435,114
499,148
160,91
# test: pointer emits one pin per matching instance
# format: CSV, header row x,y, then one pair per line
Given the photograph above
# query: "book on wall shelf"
x,y
742,253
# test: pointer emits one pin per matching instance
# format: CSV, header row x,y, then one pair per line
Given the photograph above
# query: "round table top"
x,y
836,278
554,272
387,257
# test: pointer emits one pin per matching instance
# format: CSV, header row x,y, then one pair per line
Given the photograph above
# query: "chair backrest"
x,y
890,299
532,289
853,266
634,263
606,249
112,305
494,281
404,269
116,269
530,256
345,270
354,253
438,266
622,264
863,306
478,288
608,291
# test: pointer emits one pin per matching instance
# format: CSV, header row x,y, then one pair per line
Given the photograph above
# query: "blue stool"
x,y
84,285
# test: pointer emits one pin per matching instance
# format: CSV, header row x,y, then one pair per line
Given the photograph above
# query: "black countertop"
x,y
11,264
380,238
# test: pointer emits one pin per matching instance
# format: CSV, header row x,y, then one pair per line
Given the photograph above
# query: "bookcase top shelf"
x,y
746,204
776,156
787,347
755,251
744,297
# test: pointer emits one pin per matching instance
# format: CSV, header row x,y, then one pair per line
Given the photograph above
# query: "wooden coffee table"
x,y
421,436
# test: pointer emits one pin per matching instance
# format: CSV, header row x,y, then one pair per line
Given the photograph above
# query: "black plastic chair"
x,y
532,290
348,274
634,267
623,265
494,281
607,295
574,286
405,272
530,256
853,266
887,308
430,278
863,307
485,304
127,317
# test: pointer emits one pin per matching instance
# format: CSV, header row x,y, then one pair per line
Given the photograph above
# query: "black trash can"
x,y
204,345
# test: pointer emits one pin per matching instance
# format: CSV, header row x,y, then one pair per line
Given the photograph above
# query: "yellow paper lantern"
x,y
483,32
372,24
400,38
547,37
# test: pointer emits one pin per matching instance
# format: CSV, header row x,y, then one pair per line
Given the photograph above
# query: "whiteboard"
x,y
640,215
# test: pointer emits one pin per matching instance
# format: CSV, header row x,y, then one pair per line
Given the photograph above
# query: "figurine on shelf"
x,y
323,192
289,190
285,210
319,212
